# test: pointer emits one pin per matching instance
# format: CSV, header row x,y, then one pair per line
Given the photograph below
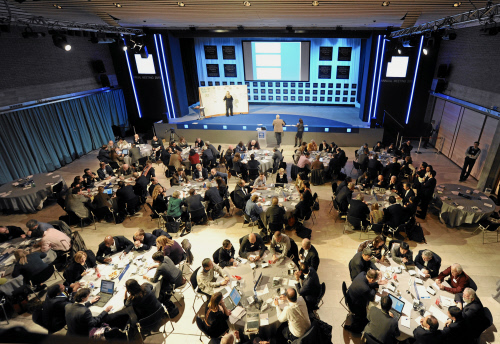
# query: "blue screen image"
x,y
276,60
235,296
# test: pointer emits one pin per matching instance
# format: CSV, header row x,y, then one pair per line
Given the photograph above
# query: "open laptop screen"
x,y
107,287
397,304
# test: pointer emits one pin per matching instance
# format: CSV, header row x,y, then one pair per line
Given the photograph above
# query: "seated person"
x,y
277,157
171,275
312,146
376,245
304,163
77,182
198,143
473,312
175,160
194,158
122,144
11,232
295,313
54,239
455,330
175,204
78,268
260,182
324,146
381,322
78,203
178,178
401,253
364,181
308,254
105,171
302,209
427,332
376,215
112,245
222,187
170,248
253,164
380,182
361,262
214,173
374,166
138,140
207,157
155,145
206,279
36,228
393,168
135,154
126,170
253,145
160,201
148,171
217,316
317,165
307,285
363,160
143,241
281,177
275,216
344,197
104,154
253,210
89,178
281,246
335,165
183,143
393,215
358,211
226,254
78,316
32,267
141,298
252,243
200,173
378,147
458,280
214,150
154,183
394,185
241,194
102,203
194,203
428,262
213,197
240,148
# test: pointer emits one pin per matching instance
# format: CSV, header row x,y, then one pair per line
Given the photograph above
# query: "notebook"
x,y
106,293
397,306
233,299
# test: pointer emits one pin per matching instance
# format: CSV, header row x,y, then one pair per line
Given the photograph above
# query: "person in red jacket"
x,y
458,279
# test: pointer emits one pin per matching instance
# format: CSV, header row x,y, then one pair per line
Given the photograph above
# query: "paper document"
x,y
262,290
440,316
447,301
377,298
407,307
405,321
264,319
291,282
422,292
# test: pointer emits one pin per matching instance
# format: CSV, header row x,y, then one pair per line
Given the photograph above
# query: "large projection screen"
x,y
279,61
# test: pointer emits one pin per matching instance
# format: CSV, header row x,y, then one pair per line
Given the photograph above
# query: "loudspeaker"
x,y
104,80
98,66
438,85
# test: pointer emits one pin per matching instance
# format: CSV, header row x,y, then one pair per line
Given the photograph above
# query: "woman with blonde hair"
x,y
170,248
217,315
174,205
160,203
376,215
182,142
32,267
281,177
78,268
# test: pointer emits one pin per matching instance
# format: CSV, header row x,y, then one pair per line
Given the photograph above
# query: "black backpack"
x,y
303,232
415,233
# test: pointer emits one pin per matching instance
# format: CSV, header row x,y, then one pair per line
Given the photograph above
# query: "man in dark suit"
x,y
125,195
395,186
226,254
171,276
358,211
143,241
208,157
308,286
427,191
241,194
79,318
362,290
406,148
335,165
11,232
213,197
250,243
154,183
363,160
344,197
381,322
308,254
135,154
427,332
374,167
210,146
200,173
275,216
277,156
342,185
472,312
361,262
428,262
141,186
393,214
393,168
407,193
253,164
112,245
455,330
104,154
89,178
105,171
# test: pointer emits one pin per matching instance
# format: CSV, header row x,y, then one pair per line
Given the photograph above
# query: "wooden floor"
x,y
481,262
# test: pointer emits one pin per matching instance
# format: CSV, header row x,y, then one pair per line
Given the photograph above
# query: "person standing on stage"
x,y
278,125
229,103
471,155
300,132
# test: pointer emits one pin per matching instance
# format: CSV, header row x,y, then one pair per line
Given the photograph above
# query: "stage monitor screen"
x,y
145,66
397,67
287,61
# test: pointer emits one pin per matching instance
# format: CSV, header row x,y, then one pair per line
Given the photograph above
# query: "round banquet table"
x,y
289,191
108,183
457,209
377,195
264,156
29,199
405,283
265,292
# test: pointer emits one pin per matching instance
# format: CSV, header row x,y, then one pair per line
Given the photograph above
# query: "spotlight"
x,y
180,4
425,51
57,6
121,44
29,33
457,4
400,51
247,3
117,4
315,3
144,52
60,41
386,3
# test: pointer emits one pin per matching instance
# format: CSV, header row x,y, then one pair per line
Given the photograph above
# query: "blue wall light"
x,y
414,79
132,81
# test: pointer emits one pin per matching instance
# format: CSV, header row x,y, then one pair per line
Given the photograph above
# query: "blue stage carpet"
x,y
254,120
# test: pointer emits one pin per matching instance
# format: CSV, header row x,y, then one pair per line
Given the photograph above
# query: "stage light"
x,y
247,3
457,4
205,126
133,84
425,51
224,127
162,77
379,77
57,6
374,74
414,79
180,4
386,3
122,44
315,3
186,126
60,41
117,4
167,77
400,51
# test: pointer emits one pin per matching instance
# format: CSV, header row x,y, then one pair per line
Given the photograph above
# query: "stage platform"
x,y
316,119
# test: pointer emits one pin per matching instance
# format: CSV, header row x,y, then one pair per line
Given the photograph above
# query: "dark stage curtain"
x,y
44,138
190,69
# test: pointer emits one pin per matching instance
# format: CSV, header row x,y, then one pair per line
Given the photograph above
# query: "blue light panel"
x,y
414,78
132,81
162,78
168,79
379,74
374,77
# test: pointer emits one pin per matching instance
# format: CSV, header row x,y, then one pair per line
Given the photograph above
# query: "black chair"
x,y
312,336
321,295
369,339
170,171
198,216
253,173
347,303
154,215
215,256
57,190
114,165
197,293
355,166
486,226
217,212
472,284
317,177
202,326
142,161
148,325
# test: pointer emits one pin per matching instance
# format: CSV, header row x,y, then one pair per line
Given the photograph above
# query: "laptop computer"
x,y
397,306
108,191
106,293
125,151
233,299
